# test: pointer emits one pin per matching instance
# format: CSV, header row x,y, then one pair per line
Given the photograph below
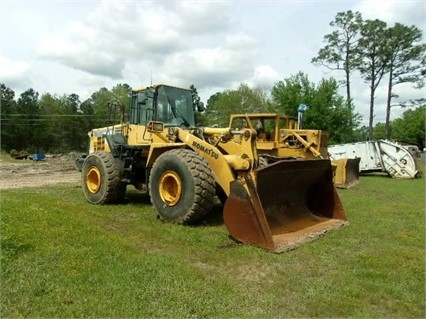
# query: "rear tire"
x,y
101,179
181,186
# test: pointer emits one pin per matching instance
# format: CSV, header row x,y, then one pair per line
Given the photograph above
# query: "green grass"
x,y
64,258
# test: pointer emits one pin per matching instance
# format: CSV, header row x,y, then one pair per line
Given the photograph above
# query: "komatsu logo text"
x,y
203,149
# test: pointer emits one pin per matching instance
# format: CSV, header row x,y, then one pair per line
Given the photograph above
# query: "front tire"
x,y
181,186
101,179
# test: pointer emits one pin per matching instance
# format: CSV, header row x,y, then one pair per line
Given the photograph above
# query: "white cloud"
x,y
203,17
83,48
264,76
219,66
391,11
215,45
240,41
120,33
15,72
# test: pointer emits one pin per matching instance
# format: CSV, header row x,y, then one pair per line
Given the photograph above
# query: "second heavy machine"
x,y
280,137
159,149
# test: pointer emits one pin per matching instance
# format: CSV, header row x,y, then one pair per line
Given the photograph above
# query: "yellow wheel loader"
x,y
279,137
182,167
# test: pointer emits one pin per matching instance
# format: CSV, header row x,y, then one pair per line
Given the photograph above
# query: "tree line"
x,y
377,53
51,123
326,111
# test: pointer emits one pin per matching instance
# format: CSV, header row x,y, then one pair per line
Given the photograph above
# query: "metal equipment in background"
x,y
379,156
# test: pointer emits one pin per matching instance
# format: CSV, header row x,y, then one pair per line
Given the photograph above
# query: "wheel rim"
x,y
170,188
93,179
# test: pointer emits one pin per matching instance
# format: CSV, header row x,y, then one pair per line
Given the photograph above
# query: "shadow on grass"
x,y
214,218
137,196
375,174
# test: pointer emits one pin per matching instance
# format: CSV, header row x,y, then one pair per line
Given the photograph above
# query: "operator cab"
x,y
162,103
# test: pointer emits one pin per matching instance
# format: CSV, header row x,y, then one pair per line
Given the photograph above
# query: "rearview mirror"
x,y
200,107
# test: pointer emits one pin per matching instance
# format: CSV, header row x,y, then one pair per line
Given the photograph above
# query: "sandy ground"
x,y
29,173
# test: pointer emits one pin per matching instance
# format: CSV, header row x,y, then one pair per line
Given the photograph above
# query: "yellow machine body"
x,y
276,207
279,136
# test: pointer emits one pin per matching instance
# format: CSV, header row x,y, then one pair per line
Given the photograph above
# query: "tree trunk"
x,y
348,91
388,106
370,124
348,97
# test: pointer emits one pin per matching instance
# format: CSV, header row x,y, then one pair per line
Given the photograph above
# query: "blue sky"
x,y
65,47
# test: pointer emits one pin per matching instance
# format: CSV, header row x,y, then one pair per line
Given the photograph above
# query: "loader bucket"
x,y
347,172
284,205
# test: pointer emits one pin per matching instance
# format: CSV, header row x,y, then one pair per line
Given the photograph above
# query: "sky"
x,y
70,46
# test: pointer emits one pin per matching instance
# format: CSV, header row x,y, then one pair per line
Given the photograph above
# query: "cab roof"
x,y
155,86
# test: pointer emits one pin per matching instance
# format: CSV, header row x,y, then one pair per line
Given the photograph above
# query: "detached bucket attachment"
x,y
292,202
347,172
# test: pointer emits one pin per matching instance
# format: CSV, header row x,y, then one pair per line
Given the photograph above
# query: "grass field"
x,y
64,258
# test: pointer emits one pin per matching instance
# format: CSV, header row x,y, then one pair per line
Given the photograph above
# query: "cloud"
x,y
391,11
210,67
83,48
204,17
176,41
117,34
264,76
15,73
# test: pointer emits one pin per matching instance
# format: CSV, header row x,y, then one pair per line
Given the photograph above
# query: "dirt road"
x,y
28,173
